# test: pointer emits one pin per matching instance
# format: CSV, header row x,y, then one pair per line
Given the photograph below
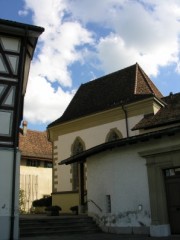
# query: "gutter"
x,y
13,193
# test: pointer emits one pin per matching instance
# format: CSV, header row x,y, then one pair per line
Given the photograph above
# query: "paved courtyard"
x,y
100,236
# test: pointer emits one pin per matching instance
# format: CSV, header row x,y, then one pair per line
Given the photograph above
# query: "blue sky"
x,y
83,41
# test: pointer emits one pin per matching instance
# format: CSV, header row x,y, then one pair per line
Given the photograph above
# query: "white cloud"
x,y
128,31
23,13
59,52
149,30
114,54
43,104
59,48
99,11
118,56
47,13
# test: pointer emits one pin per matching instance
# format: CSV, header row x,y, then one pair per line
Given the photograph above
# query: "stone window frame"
x,y
157,161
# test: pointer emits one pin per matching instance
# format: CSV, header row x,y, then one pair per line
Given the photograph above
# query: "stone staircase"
x,y
31,226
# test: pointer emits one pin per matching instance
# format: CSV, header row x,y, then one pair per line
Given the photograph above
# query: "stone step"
x,y
59,227
54,220
57,232
39,226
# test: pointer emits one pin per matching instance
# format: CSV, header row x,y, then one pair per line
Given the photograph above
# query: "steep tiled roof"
x,y
121,87
144,85
167,115
35,144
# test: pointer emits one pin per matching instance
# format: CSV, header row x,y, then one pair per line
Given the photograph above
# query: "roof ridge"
x,y
136,78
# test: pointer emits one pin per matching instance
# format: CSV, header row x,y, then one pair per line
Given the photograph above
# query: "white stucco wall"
x,y
94,136
91,136
123,176
6,170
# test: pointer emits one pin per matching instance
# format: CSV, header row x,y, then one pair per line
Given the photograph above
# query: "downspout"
x,y
126,119
13,193
16,137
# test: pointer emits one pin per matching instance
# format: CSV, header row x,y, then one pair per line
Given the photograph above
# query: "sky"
x,y
86,39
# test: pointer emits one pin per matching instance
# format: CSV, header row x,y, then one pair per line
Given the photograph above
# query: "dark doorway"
x,y
172,180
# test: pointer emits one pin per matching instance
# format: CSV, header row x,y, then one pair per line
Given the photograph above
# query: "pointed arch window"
x,y
113,135
77,147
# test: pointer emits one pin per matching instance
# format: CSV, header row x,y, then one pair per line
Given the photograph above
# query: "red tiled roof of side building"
x,y
170,114
35,144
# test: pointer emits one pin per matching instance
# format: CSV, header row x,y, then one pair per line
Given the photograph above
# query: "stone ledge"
x,y
160,230
127,230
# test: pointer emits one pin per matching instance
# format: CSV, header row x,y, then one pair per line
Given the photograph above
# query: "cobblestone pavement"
x,y
100,236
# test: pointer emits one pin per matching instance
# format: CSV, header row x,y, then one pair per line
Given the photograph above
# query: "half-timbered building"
x,y
17,45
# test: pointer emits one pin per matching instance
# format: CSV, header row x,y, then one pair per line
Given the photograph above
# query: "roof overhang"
x,y
20,29
120,143
38,157
30,33
54,129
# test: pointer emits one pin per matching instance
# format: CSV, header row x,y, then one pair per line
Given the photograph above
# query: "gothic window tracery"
x,y
77,147
113,135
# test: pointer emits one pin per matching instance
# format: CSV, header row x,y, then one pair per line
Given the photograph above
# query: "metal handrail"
x,y
100,209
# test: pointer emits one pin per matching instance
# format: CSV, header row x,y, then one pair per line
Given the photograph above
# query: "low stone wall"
x,y
65,200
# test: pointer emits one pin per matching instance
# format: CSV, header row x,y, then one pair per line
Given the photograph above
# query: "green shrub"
x,y
43,202
21,201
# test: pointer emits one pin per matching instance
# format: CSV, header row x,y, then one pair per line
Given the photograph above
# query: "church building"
x,y
116,154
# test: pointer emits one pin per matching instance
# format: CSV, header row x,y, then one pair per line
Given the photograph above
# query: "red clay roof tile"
x,y
35,144
170,114
124,86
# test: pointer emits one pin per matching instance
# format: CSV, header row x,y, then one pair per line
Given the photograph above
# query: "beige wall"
x,y
36,181
91,137
66,200
93,131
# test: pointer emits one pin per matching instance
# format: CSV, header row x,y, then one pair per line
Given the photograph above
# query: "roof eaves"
x,y
9,25
119,143
118,104
42,157
151,126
